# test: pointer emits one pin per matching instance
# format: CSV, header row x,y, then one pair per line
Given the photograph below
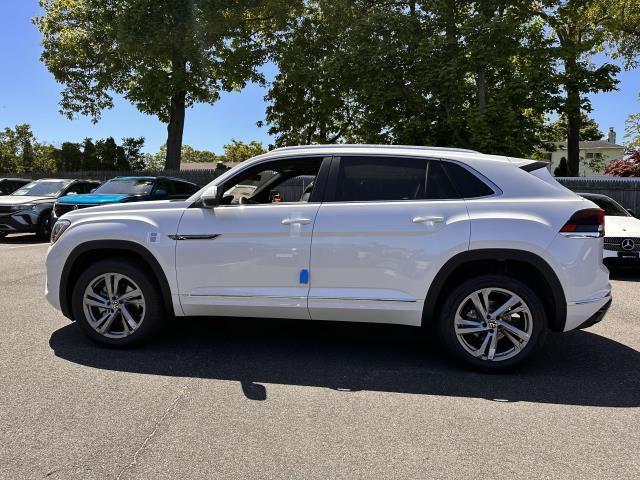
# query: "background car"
x,y
127,189
10,185
28,209
622,241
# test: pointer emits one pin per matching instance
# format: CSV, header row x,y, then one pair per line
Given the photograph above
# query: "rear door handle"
x,y
296,221
428,220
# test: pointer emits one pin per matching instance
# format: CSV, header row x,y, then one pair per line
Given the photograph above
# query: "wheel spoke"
x,y
465,331
480,351
129,296
477,303
493,345
95,300
512,302
108,279
111,316
128,318
514,340
514,330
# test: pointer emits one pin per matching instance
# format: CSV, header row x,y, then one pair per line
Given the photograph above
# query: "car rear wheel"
x,y
492,323
117,303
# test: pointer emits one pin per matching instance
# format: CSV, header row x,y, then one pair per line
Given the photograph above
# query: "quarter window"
x,y
466,183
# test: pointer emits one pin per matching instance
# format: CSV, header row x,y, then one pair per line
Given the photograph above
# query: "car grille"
x,y
615,244
61,208
9,208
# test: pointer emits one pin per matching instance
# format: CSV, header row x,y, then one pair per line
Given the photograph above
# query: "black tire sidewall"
x,y
154,314
41,228
446,321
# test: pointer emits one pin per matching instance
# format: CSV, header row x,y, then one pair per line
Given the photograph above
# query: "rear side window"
x,y
362,179
466,183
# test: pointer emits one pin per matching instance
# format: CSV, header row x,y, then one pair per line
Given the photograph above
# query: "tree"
x,y
589,129
238,151
466,74
632,130
562,170
579,28
624,30
629,166
161,55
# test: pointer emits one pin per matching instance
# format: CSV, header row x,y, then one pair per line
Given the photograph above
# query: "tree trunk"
x,y
175,129
481,86
572,110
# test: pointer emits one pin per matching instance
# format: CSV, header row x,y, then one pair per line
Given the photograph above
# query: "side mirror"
x,y
93,190
210,197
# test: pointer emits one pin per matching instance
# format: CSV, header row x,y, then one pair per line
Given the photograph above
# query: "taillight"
x,y
585,223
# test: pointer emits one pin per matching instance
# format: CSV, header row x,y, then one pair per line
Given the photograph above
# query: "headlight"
x,y
26,206
58,229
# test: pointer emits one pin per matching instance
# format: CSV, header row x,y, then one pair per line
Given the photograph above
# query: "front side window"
x,y
128,186
280,181
41,189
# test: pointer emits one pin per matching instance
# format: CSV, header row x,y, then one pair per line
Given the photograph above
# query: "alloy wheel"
x,y
114,305
493,324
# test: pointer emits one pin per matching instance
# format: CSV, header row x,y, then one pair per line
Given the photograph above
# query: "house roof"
x,y
589,144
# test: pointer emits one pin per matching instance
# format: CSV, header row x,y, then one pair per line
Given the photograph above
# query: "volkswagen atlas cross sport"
x,y
490,250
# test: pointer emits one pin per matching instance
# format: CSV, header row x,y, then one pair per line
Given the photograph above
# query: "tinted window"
x,y
130,186
466,183
611,207
392,178
381,178
439,186
184,189
42,189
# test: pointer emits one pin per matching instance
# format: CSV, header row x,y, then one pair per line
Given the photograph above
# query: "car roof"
x,y
16,179
173,179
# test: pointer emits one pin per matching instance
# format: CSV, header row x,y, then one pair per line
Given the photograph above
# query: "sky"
x,y
29,94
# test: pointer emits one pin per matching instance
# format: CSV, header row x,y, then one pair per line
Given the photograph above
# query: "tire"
x,y
43,229
145,311
467,329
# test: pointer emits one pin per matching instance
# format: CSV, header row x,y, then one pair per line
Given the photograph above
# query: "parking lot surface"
x,y
268,399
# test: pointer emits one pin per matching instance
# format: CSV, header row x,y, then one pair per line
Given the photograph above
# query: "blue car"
x,y
127,189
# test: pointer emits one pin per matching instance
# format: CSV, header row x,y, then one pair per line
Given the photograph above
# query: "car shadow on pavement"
x,y
22,239
578,368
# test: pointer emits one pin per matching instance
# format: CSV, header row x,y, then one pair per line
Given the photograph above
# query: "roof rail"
x,y
346,145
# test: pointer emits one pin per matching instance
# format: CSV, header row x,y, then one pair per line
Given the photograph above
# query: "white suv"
x,y
490,250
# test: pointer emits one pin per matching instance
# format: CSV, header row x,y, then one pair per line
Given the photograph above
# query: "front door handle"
x,y
428,220
296,221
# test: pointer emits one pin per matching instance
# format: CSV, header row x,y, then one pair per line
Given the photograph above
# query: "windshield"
x,y
41,189
129,186
611,207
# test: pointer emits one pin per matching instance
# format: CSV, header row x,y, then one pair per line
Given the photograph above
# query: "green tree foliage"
x,y
624,29
632,131
589,129
238,151
104,154
20,151
579,29
466,74
161,55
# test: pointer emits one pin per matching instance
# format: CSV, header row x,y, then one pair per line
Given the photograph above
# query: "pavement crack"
x,y
153,432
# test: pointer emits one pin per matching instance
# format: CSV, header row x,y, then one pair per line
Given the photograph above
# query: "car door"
x,y
249,256
385,229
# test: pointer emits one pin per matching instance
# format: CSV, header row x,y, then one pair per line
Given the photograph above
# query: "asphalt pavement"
x,y
264,399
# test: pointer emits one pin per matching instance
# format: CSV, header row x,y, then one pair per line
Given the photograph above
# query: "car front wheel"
x,y
117,303
492,322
